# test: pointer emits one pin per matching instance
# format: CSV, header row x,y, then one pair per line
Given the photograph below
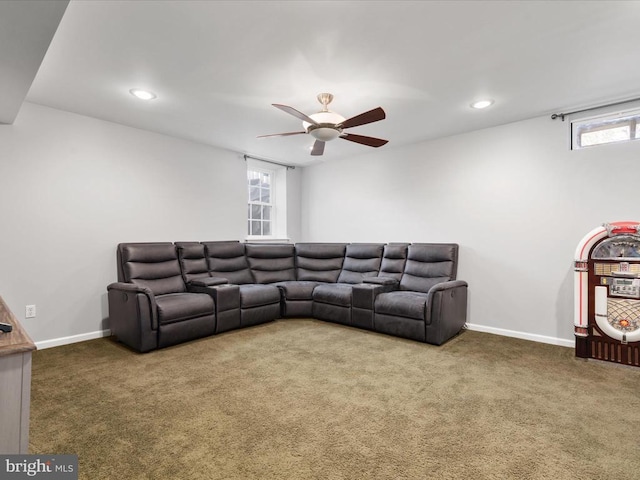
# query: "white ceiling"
x,y
217,66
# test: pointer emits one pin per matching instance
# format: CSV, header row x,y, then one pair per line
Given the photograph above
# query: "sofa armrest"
x,y
364,294
446,310
225,296
439,287
130,287
133,317
386,281
208,281
138,289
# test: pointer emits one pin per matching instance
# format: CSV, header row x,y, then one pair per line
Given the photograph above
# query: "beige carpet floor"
x,y
304,399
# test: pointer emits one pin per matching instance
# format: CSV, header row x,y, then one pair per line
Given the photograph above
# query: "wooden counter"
x,y
15,385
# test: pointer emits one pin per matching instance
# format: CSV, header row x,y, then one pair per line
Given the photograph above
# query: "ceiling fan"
x,y
325,125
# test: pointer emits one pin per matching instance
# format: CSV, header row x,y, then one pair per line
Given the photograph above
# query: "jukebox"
x,y
607,294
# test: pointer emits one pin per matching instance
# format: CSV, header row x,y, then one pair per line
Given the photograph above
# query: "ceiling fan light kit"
x,y
326,125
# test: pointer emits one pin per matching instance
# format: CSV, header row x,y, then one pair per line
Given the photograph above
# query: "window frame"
x,y
271,204
608,121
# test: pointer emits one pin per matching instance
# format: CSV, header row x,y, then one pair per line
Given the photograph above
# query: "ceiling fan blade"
x,y
369,141
318,148
371,116
280,134
295,113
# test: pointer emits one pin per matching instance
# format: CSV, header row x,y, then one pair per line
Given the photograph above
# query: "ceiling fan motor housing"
x,y
326,128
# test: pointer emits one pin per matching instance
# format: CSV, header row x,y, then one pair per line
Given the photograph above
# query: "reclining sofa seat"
x,y
316,264
430,305
149,306
195,273
275,265
227,263
332,302
394,258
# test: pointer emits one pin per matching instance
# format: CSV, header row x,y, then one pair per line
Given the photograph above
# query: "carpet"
x,y
305,399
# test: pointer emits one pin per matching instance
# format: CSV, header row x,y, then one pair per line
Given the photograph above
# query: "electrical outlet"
x,y
30,311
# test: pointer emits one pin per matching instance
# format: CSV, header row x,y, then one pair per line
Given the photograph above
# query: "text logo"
x,y
50,467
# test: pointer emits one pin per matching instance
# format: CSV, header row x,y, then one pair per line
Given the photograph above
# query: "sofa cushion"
x,y
402,304
151,265
429,264
272,262
319,262
255,295
192,260
176,307
297,290
228,260
334,294
393,260
361,260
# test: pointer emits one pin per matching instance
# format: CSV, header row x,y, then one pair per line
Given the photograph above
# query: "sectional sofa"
x,y
169,293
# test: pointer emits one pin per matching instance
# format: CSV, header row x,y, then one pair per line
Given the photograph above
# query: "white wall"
x,y
514,197
294,204
73,187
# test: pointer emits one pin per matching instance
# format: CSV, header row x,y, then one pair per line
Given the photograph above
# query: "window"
x,y
261,197
267,201
612,128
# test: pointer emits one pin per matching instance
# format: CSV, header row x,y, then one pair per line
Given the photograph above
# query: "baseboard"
x,y
57,342
522,335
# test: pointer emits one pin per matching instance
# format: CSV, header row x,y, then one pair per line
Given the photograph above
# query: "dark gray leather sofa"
x,y
170,293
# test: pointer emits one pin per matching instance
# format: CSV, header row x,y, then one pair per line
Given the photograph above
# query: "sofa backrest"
x,y
228,260
319,262
193,262
394,259
361,260
151,265
271,263
429,264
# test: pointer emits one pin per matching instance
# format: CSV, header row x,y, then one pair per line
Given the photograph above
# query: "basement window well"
x,y
611,128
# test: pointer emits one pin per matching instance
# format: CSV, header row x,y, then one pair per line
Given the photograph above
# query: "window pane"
x,y
253,177
266,213
249,228
266,228
607,135
266,196
255,212
254,194
266,180
255,228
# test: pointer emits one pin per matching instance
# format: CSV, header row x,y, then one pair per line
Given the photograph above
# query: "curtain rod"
x,y
270,161
562,115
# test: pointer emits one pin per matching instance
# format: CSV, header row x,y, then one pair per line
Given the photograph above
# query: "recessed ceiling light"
x,y
142,94
480,104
